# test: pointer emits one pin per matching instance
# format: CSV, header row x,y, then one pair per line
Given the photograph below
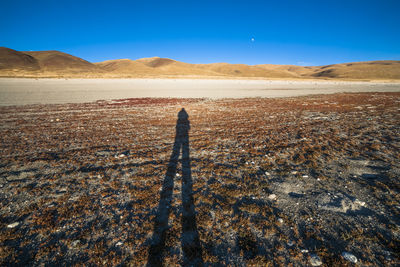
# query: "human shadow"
x,y
192,252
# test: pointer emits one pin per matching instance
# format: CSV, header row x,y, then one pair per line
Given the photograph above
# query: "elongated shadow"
x,y
192,252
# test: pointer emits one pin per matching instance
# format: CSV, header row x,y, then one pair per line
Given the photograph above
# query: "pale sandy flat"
x,y
15,91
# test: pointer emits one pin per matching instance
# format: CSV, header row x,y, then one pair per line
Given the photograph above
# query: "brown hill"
x,y
293,70
242,70
155,62
360,70
56,61
59,64
14,60
153,67
124,66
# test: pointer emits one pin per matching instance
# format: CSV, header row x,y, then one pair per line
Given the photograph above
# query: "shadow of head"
x,y
182,115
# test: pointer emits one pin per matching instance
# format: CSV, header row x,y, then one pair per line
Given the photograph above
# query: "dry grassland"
x,y
263,182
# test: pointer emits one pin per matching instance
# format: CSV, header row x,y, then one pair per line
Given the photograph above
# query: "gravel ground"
x,y
293,181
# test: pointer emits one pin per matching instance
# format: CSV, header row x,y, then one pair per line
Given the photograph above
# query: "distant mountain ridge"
x,y
58,64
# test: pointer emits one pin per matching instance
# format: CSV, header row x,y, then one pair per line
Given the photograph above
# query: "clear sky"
x,y
302,32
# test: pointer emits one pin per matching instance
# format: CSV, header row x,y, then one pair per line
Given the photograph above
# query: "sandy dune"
x,y
58,91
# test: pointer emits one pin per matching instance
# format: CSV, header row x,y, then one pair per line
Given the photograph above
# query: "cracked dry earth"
x,y
277,182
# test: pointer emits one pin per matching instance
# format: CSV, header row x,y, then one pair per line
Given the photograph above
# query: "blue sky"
x,y
285,32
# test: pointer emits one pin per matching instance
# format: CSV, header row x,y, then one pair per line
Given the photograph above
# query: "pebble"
x,y
305,176
361,203
304,251
267,173
280,220
76,243
13,225
272,196
118,244
315,260
349,257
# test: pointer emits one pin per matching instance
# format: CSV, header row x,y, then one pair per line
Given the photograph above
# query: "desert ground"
x,y
61,91
295,181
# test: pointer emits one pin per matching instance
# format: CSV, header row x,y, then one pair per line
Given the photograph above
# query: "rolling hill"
x,y
11,59
58,64
360,70
55,61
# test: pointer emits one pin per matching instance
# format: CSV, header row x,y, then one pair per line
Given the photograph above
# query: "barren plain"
x,y
296,181
18,91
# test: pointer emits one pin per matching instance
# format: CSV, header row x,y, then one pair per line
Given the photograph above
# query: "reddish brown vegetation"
x,y
84,180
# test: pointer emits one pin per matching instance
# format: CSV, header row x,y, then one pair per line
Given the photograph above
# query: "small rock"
x,y
315,260
280,220
62,190
267,173
272,196
57,119
13,225
387,253
294,172
349,257
118,244
177,175
361,203
305,176
304,251
76,243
